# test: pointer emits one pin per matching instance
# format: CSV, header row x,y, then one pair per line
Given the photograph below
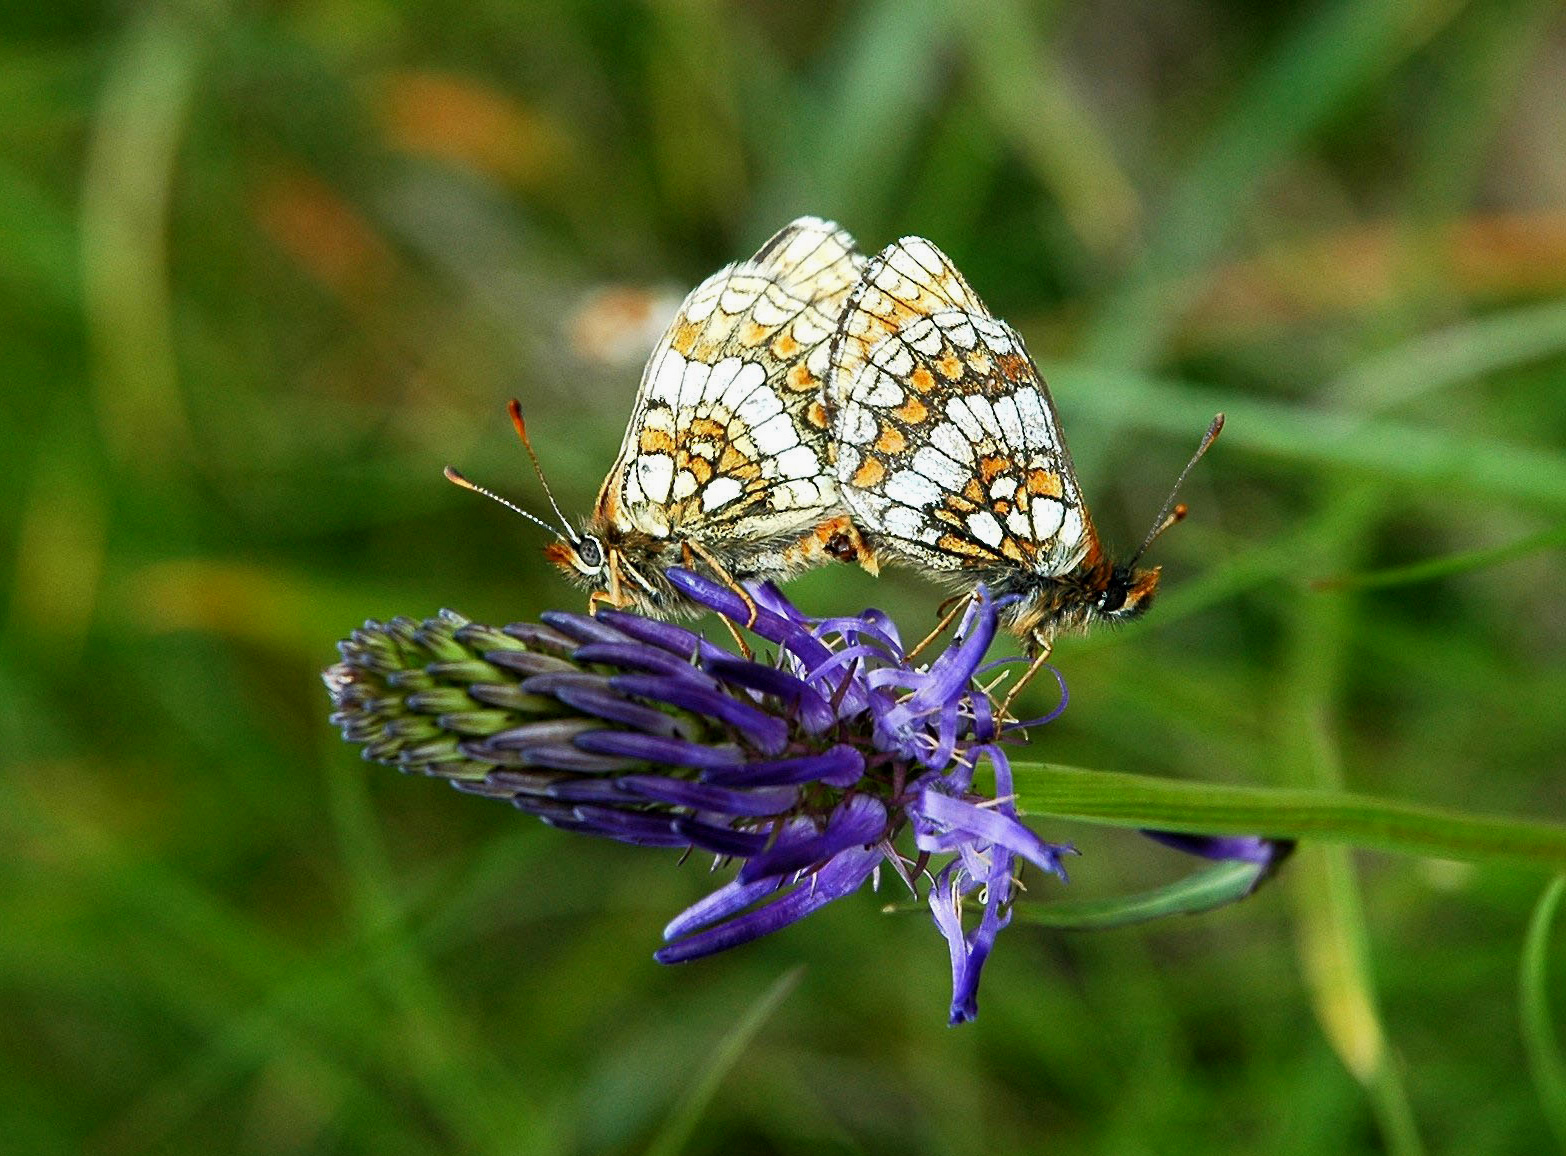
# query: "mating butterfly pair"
x,y
809,405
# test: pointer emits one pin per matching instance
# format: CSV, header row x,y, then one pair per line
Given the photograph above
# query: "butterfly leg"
x,y
693,547
745,651
1045,647
948,610
612,597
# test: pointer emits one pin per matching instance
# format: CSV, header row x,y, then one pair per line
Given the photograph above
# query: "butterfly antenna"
x,y
457,479
1175,511
514,408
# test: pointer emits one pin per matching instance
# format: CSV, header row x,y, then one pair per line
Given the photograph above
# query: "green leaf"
x,y
1121,800
1200,891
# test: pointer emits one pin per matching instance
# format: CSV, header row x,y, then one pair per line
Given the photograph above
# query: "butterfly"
x,y
950,456
725,461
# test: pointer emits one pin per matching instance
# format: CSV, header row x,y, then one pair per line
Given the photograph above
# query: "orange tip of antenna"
x,y
1179,512
458,479
514,408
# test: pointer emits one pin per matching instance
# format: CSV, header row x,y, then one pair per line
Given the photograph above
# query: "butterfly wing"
x,y
948,449
907,280
728,442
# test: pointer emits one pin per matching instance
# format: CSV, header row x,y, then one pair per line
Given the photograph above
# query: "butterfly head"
x,y
618,570
583,559
1091,594
1126,595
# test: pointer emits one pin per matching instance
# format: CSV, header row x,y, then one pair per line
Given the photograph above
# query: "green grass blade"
x,y
1333,935
1544,1053
867,111
1435,361
682,1121
1121,800
1434,568
1029,98
1332,52
1376,447
127,189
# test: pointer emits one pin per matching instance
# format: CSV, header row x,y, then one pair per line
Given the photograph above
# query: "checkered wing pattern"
x,y
948,450
906,281
728,442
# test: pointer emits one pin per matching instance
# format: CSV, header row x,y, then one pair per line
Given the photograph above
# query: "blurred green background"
x,y
266,267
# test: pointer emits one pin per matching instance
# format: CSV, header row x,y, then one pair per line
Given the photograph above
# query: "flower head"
x,y
809,771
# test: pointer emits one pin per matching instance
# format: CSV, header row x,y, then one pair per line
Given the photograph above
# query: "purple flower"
x,y
808,770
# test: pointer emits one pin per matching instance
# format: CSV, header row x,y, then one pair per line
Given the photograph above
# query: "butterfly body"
x,y
627,568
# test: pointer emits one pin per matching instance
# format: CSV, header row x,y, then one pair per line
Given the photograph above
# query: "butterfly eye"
x,y
590,552
1114,598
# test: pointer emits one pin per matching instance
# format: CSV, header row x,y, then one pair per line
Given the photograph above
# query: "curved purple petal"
x,y
605,704
639,827
528,661
537,634
769,596
656,749
858,631
844,658
719,840
950,676
705,797
840,766
555,730
732,897
1240,848
773,627
640,656
1058,710
861,820
582,628
946,907
988,825
722,600
997,913
507,783
969,950
843,875
563,757
550,683
677,640
815,713
881,622
767,733
581,789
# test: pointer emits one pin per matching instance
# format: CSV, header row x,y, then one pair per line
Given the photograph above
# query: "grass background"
x,y
266,267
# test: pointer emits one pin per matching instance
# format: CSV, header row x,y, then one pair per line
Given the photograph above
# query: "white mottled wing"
x,y
948,450
728,441
908,279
